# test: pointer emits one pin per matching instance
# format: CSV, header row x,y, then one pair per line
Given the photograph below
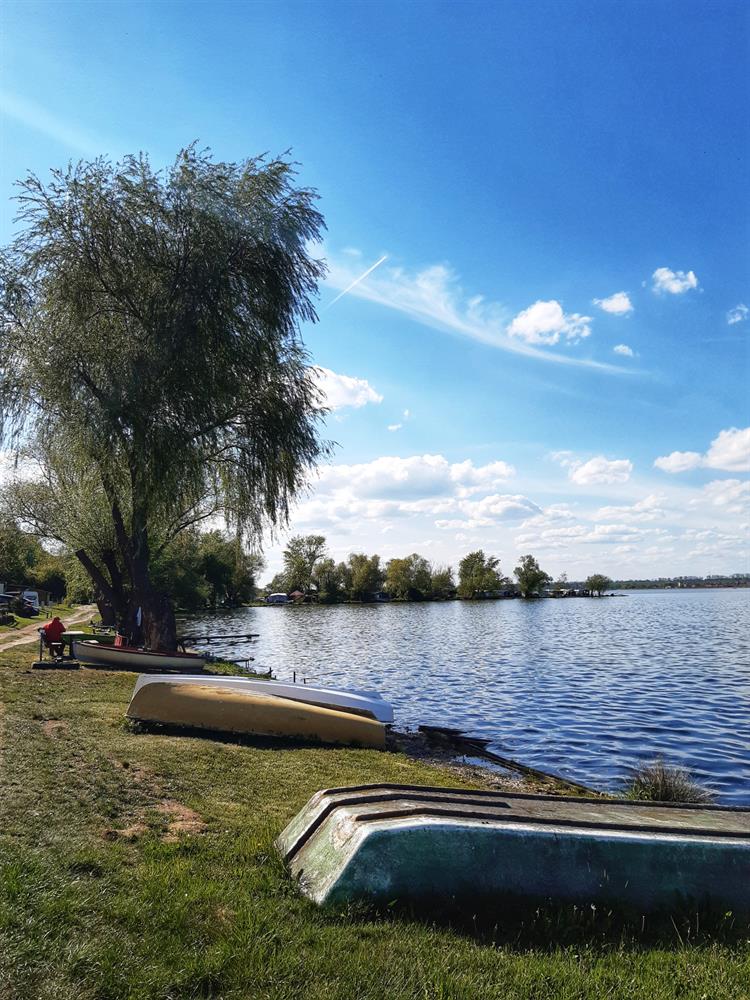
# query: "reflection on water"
x,y
586,688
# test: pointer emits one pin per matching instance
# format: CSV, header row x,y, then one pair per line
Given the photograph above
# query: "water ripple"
x,y
587,688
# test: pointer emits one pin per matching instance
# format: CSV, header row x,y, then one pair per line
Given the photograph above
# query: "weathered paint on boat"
x,y
125,658
370,705
223,709
102,638
386,842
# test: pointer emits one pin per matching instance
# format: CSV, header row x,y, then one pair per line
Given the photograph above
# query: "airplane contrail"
x,y
357,280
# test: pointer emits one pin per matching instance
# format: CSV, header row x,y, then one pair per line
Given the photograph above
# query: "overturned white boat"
x,y
367,703
246,712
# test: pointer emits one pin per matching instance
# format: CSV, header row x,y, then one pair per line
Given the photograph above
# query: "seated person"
x,y
52,635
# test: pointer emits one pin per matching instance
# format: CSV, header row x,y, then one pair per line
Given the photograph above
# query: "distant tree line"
x,y
310,572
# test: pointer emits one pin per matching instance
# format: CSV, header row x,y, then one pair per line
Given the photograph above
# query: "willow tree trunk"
x,y
152,622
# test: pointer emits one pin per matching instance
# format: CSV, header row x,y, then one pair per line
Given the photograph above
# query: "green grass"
x,y
44,616
103,895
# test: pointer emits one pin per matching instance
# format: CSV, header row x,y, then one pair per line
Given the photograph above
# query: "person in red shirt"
x,y
52,634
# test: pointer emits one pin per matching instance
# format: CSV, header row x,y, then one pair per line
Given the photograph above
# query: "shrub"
x,y
660,782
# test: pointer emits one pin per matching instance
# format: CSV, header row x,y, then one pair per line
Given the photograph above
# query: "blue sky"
x,y
559,191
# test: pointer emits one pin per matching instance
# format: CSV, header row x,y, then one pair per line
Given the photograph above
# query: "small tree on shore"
x,y
531,577
410,577
442,583
597,583
302,556
365,576
477,574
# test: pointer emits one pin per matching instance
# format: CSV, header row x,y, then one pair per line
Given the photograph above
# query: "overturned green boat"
x,y
403,842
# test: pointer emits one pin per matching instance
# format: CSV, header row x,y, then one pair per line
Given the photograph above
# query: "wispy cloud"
x,y
738,314
358,280
435,298
35,116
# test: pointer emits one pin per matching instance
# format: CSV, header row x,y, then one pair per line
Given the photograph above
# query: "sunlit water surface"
x,y
586,688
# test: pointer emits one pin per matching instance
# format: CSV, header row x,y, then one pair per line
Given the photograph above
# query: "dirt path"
x,y
29,632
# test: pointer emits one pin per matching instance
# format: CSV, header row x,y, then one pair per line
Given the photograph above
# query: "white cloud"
x,y
554,514
346,390
474,479
738,314
546,323
729,451
435,298
674,282
407,414
585,534
418,476
623,349
395,427
490,511
597,470
679,461
618,304
732,495
394,505
651,508
601,470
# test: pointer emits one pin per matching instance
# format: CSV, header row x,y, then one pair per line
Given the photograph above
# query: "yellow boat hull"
x,y
229,711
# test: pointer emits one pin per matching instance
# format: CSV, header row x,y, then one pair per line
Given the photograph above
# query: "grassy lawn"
x,y
136,865
44,616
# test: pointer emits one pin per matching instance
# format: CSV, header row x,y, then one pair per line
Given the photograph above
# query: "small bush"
x,y
660,782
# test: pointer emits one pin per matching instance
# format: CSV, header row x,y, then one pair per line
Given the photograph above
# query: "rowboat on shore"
x,y
142,660
226,709
366,703
403,842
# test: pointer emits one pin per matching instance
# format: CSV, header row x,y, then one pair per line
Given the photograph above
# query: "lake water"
x,y
586,688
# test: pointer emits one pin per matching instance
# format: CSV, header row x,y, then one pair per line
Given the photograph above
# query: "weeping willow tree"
x,y
151,360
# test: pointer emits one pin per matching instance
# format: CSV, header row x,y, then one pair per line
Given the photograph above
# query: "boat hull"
x,y
388,842
228,710
343,701
123,658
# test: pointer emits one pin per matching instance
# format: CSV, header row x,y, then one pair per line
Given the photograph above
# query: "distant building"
x,y
277,599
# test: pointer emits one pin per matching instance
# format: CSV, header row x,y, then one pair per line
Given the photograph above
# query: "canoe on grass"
x,y
141,660
360,702
228,710
387,842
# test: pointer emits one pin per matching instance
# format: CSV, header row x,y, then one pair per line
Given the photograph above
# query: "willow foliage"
x,y
150,325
